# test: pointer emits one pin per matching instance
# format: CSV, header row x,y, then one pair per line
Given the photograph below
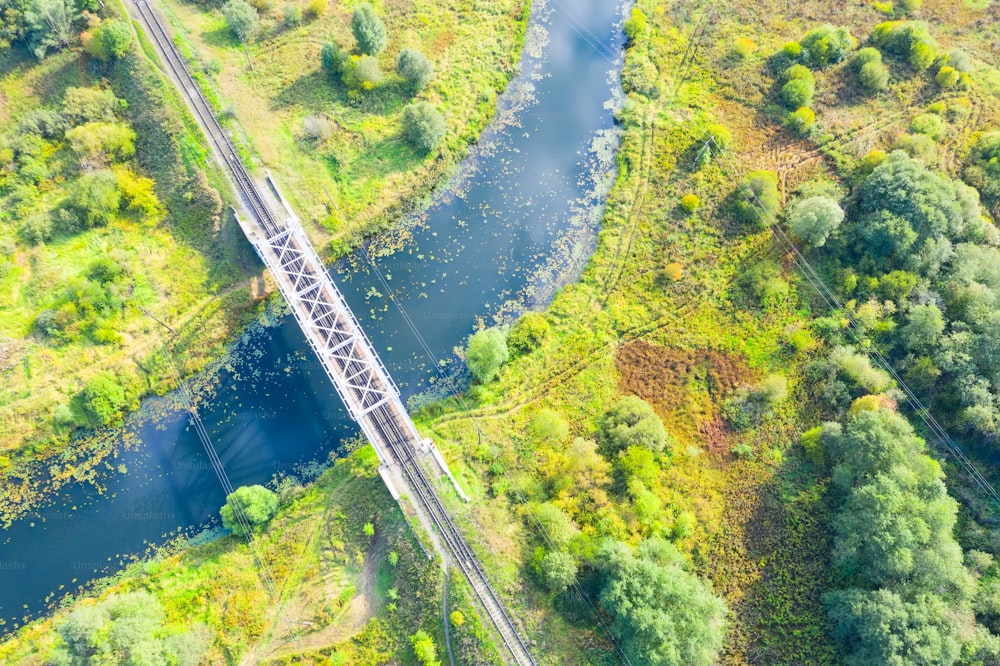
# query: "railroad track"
x,y
396,436
224,148
393,434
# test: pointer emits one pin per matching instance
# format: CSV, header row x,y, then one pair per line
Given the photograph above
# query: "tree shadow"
x,y
316,91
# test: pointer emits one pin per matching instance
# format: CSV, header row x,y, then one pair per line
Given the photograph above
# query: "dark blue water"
x,y
518,220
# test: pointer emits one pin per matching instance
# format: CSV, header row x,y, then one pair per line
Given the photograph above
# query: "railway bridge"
x,y
410,464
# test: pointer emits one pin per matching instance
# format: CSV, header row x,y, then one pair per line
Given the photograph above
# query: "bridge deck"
x,y
343,349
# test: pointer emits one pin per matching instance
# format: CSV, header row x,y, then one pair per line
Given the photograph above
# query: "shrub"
x,y
946,77
530,331
635,25
744,47
102,401
368,29
720,136
101,141
865,56
257,503
631,421
317,128
764,283
814,219
959,60
315,9
293,15
82,105
361,73
801,120
796,72
548,427
95,198
790,52
415,69
922,55
333,58
928,124
423,126
242,18
558,571
872,160
826,45
486,353
918,146
423,647
798,93
874,76
908,6
757,200
690,202
110,41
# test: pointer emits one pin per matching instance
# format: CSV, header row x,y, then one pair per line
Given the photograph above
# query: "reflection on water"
x,y
517,220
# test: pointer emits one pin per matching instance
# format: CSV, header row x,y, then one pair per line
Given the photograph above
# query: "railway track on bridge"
x,y
335,335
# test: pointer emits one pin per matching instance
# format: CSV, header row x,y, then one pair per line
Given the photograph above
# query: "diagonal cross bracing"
x,y
327,321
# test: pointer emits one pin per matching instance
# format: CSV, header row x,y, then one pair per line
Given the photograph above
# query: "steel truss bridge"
x,y
409,464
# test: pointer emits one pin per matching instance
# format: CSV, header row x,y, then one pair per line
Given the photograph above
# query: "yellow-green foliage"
x,y
370,174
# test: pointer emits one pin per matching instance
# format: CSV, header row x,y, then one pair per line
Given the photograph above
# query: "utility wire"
x,y
864,342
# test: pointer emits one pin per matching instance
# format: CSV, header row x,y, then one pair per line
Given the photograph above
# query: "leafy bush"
x,y
826,45
333,59
814,219
743,47
635,25
946,77
84,105
126,629
801,120
928,124
757,200
486,353
764,283
101,402
798,93
690,202
415,69
368,29
559,571
293,15
874,76
102,141
257,503
315,9
858,367
548,427
983,168
631,421
361,73
528,333
797,72
242,18
95,198
423,126
865,56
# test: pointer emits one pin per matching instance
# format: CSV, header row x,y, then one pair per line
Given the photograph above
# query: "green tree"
x,y
115,38
333,59
423,126
415,69
368,29
95,198
126,629
559,571
423,647
631,421
664,616
826,45
879,628
814,219
529,331
242,18
757,200
84,105
50,25
102,401
554,524
486,352
258,505
924,327
102,142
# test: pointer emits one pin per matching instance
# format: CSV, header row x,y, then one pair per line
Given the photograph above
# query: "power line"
x,y
864,342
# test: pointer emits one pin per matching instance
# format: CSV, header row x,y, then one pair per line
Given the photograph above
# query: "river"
x,y
517,220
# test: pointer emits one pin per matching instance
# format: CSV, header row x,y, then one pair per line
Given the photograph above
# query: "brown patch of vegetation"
x,y
683,386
